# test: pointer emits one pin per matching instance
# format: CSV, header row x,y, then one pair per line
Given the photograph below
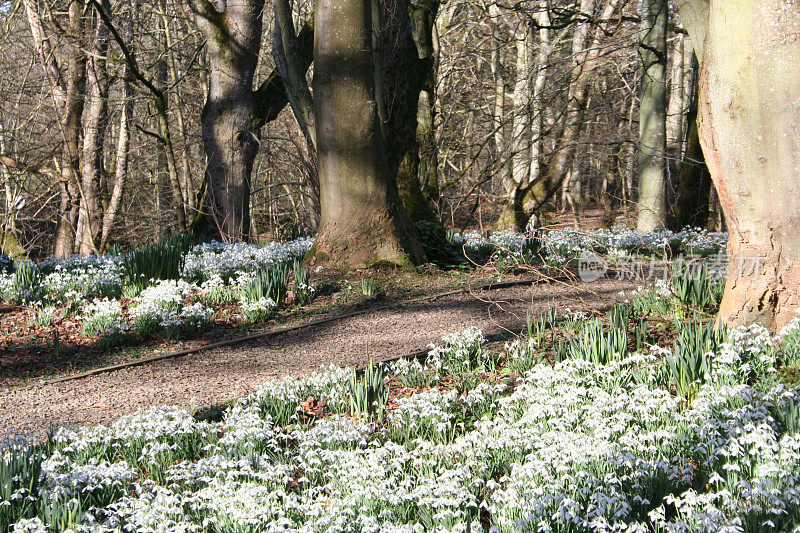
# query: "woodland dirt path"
x,y
224,373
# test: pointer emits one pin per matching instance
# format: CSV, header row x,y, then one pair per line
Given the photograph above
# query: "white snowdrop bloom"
x,y
263,304
104,317
789,328
104,307
212,284
196,316
167,293
29,525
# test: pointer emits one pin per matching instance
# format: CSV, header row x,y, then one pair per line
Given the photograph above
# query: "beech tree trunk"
x,y
652,209
748,124
362,219
230,138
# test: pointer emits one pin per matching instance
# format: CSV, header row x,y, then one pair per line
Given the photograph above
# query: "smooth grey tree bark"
x,y
652,209
362,219
233,39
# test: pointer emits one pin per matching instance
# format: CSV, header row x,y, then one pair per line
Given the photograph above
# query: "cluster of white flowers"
x,y
621,241
747,350
100,275
617,242
167,293
30,525
104,317
460,352
65,479
790,328
6,286
104,307
258,310
220,267
71,279
163,306
505,242
166,306
328,385
151,311
222,260
196,316
216,291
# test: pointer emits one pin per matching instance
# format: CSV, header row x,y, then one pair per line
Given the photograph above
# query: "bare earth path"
x,y
225,373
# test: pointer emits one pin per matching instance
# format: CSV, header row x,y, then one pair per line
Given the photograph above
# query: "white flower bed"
x,y
256,311
621,241
574,447
100,275
90,286
104,317
220,269
615,242
215,259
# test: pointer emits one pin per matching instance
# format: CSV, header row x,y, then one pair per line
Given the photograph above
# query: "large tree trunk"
x,y
749,87
233,35
268,99
653,116
362,220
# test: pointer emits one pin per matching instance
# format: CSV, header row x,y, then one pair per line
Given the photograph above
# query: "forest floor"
x,y
219,375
